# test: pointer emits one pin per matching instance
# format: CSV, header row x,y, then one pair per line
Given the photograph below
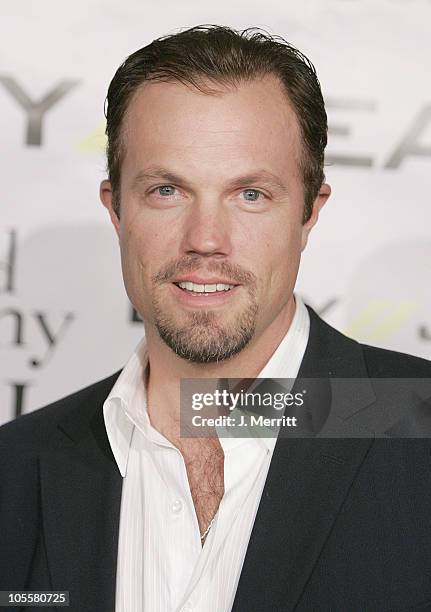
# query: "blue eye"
x,y
254,193
251,195
166,190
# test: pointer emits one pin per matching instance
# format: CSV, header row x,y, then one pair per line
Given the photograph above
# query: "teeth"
x,y
204,288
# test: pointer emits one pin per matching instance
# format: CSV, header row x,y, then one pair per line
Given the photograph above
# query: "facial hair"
x,y
204,338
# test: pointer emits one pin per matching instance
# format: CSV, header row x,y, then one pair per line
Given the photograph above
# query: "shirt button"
x,y
176,508
187,607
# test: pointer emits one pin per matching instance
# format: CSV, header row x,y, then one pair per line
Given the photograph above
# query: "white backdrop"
x,y
65,320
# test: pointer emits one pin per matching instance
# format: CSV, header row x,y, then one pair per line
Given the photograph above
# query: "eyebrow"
x,y
258,176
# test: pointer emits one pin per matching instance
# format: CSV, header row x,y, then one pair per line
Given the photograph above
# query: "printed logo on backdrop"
x,y
17,323
409,143
382,313
389,297
64,314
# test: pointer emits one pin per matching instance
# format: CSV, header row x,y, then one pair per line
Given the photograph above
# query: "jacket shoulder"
x,y
345,356
393,364
35,428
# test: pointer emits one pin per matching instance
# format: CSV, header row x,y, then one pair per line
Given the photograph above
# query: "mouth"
x,y
190,293
204,288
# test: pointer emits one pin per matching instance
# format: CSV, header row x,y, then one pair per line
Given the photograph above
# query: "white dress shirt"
x,y
161,565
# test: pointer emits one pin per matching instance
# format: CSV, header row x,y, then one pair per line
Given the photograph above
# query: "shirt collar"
x,y
284,363
126,404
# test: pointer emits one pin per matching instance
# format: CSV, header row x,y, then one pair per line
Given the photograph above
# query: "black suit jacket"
x,y
343,525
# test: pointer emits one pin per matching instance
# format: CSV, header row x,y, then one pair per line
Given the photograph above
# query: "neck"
x,y
167,369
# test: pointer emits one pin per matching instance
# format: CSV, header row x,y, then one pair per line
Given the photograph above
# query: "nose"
x,y
207,229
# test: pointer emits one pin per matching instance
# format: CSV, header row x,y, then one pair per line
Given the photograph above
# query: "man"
x,y
215,157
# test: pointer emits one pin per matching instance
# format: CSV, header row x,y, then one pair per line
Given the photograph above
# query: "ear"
x,y
105,194
319,202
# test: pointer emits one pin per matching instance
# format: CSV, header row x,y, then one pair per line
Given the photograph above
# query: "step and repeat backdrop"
x,y
65,320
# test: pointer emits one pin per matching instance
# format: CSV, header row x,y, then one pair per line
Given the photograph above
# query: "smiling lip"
x,y
188,298
204,281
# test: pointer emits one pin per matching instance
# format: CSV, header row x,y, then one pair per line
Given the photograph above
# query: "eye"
x,y
252,195
164,190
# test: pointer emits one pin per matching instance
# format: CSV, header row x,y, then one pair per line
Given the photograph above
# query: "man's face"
x,y
211,194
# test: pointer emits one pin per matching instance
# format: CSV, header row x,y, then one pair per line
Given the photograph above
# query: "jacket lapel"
x,y
307,483
81,495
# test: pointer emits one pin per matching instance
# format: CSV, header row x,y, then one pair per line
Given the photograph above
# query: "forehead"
x,y
251,123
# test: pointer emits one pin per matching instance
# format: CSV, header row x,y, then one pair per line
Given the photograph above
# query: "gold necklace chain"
x,y
208,528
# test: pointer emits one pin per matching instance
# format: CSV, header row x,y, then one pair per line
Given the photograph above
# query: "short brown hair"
x,y
222,55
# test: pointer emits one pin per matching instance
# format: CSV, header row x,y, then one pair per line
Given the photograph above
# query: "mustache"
x,y
196,264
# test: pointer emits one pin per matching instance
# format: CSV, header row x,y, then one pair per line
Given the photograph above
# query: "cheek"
x,y
279,256
135,255
140,239
274,245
